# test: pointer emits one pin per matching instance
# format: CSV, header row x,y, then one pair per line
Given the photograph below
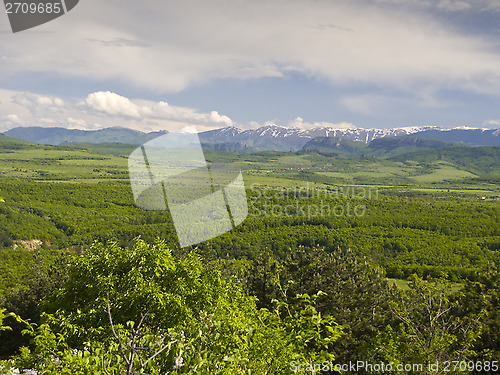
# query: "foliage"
x,y
429,331
354,292
404,235
46,274
123,306
475,297
286,287
4,315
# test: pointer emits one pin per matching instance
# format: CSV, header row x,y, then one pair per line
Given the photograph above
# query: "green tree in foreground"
x,y
141,311
429,331
479,296
355,292
46,274
4,315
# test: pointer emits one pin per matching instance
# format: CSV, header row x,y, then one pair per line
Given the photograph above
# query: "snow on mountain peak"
x,y
279,138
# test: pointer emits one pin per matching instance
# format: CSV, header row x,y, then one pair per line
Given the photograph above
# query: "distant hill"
x,y
229,147
479,160
381,147
116,149
468,136
8,139
125,149
483,160
339,146
62,136
392,146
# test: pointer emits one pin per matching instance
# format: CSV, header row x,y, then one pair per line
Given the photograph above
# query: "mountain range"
x,y
61,136
272,138
381,147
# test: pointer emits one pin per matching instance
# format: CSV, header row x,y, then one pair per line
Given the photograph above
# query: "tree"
x,y
141,310
46,275
354,292
428,332
4,315
475,297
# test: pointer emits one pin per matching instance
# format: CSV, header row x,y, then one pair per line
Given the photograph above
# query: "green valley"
x,y
380,228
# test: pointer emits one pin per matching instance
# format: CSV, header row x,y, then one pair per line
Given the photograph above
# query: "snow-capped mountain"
x,y
364,135
270,137
279,138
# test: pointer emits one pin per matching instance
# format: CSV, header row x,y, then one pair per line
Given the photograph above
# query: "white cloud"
x,y
105,109
44,121
76,123
37,104
492,123
116,105
301,124
215,117
112,104
44,101
14,118
11,119
101,109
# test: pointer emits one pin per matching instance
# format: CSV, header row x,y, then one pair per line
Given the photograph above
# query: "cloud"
x,y
162,110
37,104
492,123
171,46
116,105
299,123
218,119
76,123
120,42
101,109
372,104
454,5
105,109
446,5
112,104
11,119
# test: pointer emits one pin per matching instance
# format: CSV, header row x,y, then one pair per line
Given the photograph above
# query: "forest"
x,y
344,265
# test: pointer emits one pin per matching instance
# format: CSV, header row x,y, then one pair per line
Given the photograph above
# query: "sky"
x,y
161,65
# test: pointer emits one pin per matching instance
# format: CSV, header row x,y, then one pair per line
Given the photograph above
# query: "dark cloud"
x,y
120,42
331,26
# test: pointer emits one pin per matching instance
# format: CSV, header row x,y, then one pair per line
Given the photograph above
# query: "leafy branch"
x,y
133,348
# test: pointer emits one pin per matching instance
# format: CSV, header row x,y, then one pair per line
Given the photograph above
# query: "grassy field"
x,y
404,285
444,171
51,163
400,284
48,163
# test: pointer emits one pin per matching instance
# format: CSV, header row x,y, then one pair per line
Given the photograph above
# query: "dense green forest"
x,y
388,261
